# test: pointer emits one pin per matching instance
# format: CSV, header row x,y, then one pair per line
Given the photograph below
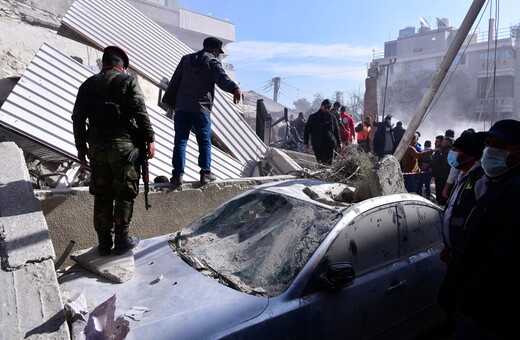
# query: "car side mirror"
x,y
338,275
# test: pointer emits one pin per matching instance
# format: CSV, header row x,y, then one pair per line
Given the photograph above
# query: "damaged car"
x,y
286,261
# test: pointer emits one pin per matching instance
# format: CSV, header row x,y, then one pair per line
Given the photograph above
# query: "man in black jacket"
x,y
481,286
190,93
322,128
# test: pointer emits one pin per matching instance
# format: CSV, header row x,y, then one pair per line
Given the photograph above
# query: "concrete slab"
x,y
30,303
23,229
117,268
385,178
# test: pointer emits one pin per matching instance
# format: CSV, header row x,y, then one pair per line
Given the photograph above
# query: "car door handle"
x,y
396,285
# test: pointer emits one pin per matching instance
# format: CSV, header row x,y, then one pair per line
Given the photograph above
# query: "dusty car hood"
x,y
184,304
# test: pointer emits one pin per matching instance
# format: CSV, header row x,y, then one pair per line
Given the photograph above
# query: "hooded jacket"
x,y
192,86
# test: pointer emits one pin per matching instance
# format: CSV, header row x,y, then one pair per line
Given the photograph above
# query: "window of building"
x,y
459,60
416,66
390,49
417,50
504,86
503,53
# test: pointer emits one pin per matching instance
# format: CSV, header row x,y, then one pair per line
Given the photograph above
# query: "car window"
x,y
368,241
260,240
424,226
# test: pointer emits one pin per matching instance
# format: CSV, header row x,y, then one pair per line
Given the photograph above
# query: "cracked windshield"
x,y
259,242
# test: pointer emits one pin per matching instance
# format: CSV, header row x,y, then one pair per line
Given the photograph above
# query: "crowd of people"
x,y
476,176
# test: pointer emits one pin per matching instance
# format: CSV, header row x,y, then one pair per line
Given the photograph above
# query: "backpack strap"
x,y
114,84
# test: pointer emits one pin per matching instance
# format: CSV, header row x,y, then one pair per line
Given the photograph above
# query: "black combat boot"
x,y
105,243
123,242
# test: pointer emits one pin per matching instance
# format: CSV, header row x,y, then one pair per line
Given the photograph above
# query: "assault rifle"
x,y
139,155
145,173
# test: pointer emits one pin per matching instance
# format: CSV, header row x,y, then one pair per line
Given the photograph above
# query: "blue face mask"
x,y
494,161
452,158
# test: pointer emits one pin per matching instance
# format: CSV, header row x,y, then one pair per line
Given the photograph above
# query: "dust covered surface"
x,y
257,243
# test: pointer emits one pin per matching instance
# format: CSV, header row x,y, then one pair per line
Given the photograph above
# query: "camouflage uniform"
x,y
113,178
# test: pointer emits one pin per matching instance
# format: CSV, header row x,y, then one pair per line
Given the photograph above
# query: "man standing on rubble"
x,y
322,128
190,93
113,103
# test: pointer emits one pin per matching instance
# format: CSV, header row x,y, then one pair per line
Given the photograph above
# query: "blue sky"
x,y
326,46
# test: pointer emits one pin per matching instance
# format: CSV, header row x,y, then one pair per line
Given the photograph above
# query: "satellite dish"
x,y
424,22
442,23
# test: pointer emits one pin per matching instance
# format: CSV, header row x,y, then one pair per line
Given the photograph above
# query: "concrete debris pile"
x,y
349,168
364,176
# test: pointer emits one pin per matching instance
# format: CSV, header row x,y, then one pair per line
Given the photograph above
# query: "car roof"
x,y
326,194
303,189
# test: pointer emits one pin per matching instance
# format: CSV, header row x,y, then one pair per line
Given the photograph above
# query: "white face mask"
x,y
494,161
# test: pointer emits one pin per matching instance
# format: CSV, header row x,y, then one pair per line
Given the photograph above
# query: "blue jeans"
x,y
410,182
424,180
183,121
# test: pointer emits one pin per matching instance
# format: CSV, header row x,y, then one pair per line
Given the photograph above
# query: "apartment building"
x,y
481,84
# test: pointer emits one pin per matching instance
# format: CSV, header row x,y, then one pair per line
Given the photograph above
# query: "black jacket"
x,y
192,87
322,128
479,282
440,166
379,137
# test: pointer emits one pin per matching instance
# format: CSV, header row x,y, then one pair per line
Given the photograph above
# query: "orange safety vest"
x,y
364,134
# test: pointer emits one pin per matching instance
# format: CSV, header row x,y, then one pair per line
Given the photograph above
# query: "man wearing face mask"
x,y
479,282
469,186
190,93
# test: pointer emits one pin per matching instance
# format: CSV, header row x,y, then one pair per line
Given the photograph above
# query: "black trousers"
x,y
324,155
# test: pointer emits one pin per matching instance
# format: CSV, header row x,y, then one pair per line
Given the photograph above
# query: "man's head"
x,y
399,124
300,115
502,147
337,105
415,138
466,150
213,45
343,109
115,56
427,143
326,105
449,133
438,141
447,141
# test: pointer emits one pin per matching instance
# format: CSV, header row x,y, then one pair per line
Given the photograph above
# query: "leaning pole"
x,y
461,34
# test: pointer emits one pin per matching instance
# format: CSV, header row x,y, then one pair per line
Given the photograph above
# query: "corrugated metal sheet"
x,y
40,108
154,53
199,23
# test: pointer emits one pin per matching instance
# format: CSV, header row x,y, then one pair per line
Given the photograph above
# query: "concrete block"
x,y
30,303
117,268
385,178
282,161
23,229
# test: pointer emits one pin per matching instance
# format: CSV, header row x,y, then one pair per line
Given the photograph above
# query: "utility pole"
x,y
387,71
276,86
454,48
339,96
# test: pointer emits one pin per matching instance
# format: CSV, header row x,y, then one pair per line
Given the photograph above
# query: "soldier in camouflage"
x,y
108,143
